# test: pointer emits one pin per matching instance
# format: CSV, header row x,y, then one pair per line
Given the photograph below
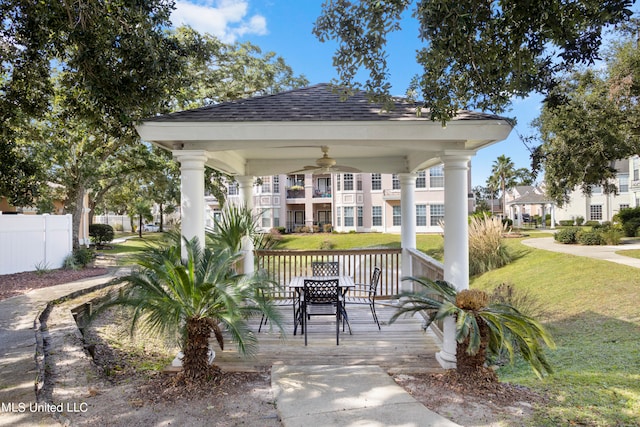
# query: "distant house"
x,y
601,207
525,202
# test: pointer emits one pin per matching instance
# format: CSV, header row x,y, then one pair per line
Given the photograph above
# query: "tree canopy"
x,y
589,121
475,54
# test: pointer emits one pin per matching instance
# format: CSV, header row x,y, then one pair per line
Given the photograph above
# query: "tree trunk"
x,y
75,208
466,363
161,217
195,361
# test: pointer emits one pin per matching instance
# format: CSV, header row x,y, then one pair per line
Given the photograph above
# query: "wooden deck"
x,y
402,347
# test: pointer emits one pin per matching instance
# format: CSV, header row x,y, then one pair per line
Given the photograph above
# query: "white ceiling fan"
x,y
326,164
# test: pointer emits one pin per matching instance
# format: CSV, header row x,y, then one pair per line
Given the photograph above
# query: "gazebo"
x,y
285,132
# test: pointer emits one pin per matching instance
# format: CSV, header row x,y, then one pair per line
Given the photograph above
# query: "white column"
x,y
456,242
408,223
192,193
553,216
245,184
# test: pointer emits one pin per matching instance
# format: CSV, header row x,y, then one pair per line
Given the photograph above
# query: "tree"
x,y
113,60
476,55
588,122
503,173
193,297
481,326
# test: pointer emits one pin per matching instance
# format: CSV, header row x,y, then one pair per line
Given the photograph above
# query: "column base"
x,y
446,360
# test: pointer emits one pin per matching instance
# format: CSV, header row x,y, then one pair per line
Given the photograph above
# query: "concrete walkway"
x,y
606,253
19,327
329,396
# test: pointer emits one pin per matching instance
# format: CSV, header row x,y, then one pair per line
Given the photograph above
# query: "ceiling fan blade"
x,y
306,169
339,168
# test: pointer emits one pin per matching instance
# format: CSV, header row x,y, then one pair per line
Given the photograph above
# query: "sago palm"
x,y
194,297
481,326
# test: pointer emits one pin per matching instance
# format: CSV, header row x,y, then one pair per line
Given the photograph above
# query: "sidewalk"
x,y
19,324
606,253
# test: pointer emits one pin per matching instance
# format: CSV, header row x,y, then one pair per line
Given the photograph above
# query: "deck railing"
x,y
282,265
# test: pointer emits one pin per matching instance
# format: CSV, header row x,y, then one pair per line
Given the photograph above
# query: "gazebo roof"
x,y
283,132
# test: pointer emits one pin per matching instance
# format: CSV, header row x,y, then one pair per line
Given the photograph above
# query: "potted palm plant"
x,y
482,326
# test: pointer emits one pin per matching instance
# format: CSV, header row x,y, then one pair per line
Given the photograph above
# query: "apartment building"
x,y
362,202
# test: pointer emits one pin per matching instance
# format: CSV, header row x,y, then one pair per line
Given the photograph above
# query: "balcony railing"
x,y
325,194
295,193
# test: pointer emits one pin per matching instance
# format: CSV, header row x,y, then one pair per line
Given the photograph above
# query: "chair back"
x,y
325,268
375,280
321,291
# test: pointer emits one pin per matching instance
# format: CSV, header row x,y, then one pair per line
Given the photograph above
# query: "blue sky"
x,y
285,28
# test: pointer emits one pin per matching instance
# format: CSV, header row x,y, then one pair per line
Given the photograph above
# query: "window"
x,y
348,216
437,214
596,189
276,217
266,218
348,182
623,183
376,181
421,180
595,212
338,180
276,184
397,216
359,212
624,206
395,182
421,215
266,184
636,168
376,216
436,177
233,189
359,182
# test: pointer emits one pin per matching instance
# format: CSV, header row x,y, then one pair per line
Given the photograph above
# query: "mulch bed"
x,y
21,283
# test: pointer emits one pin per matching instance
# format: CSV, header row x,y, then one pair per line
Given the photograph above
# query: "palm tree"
x,y
481,326
503,172
195,296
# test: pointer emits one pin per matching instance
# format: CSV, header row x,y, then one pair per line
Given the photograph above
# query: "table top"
x,y
343,281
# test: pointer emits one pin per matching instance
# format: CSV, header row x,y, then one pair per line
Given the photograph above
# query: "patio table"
x,y
297,284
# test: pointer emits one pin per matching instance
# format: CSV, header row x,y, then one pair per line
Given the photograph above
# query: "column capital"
x,y
183,156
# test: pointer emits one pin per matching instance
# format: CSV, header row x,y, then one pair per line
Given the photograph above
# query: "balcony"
x,y
295,192
321,194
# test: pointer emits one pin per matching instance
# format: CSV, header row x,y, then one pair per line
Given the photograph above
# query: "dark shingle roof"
x,y
312,103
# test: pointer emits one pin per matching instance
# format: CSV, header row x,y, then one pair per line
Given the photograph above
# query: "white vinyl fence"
x,y
29,242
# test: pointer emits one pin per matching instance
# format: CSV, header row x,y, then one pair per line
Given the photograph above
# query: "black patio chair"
x,y
325,268
370,298
322,298
278,300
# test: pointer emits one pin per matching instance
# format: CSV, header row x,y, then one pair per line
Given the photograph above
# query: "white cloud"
x,y
225,19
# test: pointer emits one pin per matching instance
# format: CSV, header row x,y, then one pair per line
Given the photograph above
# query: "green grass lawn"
x,y
594,316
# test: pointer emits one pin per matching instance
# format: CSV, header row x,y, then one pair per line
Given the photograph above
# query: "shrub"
x,y
327,228
590,238
579,220
630,227
327,244
567,235
592,223
523,300
486,251
507,222
611,236
101,234
118,227
566,223
83,256
281,229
